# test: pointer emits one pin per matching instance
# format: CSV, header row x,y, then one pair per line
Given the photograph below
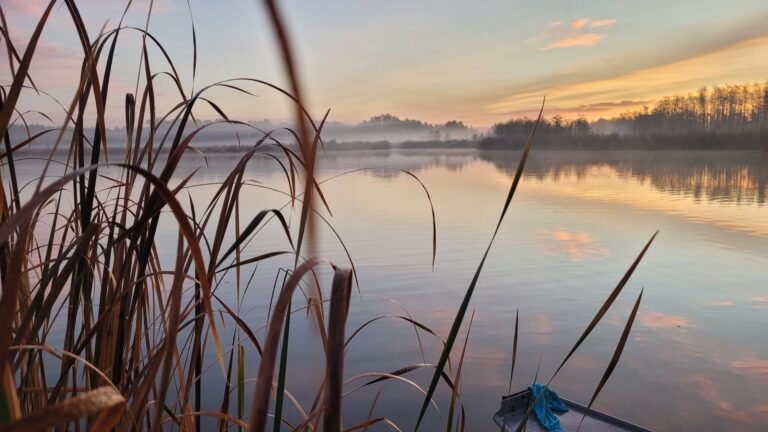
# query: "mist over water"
x,y
696,359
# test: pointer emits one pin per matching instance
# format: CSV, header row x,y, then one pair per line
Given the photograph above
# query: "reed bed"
x,y
79,256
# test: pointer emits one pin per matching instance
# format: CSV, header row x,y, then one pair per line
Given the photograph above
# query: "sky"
x,y
478,62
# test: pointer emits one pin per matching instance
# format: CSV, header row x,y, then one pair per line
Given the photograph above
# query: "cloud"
x,y
585,40
601,23
745,61
575,33
25,6
580,23
592,110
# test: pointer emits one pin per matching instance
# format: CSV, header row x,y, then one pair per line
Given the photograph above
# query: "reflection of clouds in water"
x,y
576,245
486,365
539,324
708,390
663,361
753,366
659,320
759,302
722,303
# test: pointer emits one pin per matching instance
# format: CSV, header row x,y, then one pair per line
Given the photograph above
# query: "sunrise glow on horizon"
x,y
433,61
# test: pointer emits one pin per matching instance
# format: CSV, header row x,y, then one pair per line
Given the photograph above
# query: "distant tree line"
x,y
550,133
727,108
723,117
413,130
556,125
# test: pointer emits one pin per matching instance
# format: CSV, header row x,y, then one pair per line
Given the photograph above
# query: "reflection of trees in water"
x,y
388,163
738,177
383,164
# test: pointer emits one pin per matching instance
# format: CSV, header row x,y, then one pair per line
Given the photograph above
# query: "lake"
x,y
697,357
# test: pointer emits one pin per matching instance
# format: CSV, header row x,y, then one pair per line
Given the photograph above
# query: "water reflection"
x,y
577,246
697,359
731,177
662,321
739,177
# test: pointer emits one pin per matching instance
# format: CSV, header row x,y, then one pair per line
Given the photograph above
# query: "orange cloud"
x,y
743,61
586,40
583,23
576,33
591,23
602,23
590,110
579,23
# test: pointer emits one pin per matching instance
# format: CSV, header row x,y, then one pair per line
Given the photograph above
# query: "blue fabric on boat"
x,y
546,406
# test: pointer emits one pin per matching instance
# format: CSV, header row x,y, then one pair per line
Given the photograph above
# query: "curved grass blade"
x,y
253,260
434,223
240,383
606,305
514,352
457,381
600,313
252,226
280,392
370,410
403,371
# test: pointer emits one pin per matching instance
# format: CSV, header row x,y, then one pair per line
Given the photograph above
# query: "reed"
x,y
81,252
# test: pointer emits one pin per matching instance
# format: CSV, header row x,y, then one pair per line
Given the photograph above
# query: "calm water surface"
x,y
697,358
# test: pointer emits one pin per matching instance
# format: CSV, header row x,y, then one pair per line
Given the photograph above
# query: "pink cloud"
x,y
712,392
25,6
